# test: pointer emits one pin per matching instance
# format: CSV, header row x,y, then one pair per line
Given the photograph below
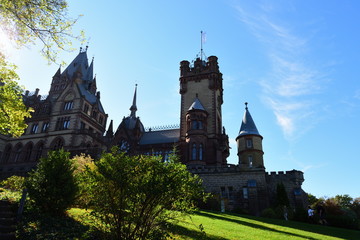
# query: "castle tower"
x,y
249,143
202,136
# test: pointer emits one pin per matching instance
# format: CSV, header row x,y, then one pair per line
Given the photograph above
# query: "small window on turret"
x,y
249,143
250,158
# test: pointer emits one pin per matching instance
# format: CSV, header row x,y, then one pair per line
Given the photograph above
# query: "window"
x,y
194,124
58,144
231,193
251,183
200,152
94,114
45,127
245,193
62,123
101,119
297,192
68,105
250,158
249,143
86,108
223,192
82,125
193,152
34,128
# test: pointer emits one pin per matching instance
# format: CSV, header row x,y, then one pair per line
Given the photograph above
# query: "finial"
x,y
246,105
86,48
80,49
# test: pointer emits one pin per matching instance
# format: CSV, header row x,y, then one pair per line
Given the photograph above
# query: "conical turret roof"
x,y
197,105
248,126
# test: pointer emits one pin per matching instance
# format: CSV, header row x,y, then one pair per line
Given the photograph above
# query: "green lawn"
x,y
221,226
215,226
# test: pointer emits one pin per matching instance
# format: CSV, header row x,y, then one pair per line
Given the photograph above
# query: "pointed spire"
x,y
248,126
110,131
58,72
133,107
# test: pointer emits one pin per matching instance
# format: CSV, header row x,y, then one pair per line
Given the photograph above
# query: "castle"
x,y
72,117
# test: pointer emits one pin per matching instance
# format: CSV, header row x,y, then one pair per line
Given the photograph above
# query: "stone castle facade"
x,y
72,117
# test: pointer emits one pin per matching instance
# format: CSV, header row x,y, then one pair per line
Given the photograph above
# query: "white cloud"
x,y
292,81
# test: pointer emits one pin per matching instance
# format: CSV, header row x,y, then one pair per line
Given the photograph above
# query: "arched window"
x,y
250,158
7,153
193,152
18,150
39,150
58,144
28,151
200,151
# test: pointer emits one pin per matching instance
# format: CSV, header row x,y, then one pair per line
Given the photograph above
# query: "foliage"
x,y
9,195
52,185
343,201
13,110
16,183
312,199
136,195
27,21
281,195
268,213
81,162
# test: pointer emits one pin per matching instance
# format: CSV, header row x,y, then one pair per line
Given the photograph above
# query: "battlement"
x,y
199,66
228,168
293,175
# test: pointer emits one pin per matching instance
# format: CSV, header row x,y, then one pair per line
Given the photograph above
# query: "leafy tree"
x,y
344,201
13,110
26,22
136,195
52,185
313,200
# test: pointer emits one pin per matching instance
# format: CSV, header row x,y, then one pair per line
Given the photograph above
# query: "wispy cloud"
x,y
292,80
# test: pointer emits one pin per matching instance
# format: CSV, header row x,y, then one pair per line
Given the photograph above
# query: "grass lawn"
x,y
222,226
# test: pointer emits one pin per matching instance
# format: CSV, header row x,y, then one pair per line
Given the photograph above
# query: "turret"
x,y
249,143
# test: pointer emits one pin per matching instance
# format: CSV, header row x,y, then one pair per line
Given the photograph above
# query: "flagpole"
x,y
201,42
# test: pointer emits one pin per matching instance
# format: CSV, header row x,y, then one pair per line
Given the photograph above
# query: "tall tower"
x,y
202,136
249,143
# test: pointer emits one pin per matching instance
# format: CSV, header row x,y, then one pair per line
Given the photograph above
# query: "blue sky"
x,y
295,62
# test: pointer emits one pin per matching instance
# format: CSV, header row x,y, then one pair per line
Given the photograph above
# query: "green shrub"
x,y
268,213
52,185
15,183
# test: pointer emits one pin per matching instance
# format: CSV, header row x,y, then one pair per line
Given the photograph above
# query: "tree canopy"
x,y
28,22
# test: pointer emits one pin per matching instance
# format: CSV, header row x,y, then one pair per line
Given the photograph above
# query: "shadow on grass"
x,y
192,234
317,229
41,227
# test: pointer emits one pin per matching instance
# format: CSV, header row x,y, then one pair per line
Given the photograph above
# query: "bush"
x,y
15,183
268,213
52,185
135,195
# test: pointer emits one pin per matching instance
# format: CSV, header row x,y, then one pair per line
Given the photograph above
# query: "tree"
x,y
52,185
281,195
13,110
26,22
136,195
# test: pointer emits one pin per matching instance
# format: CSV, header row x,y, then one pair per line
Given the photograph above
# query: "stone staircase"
x,y
7,220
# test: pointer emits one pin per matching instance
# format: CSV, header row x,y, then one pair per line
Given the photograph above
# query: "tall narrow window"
x,y
250,158
193,152
245,193
34,128
249,143
45,127
200,151
86,108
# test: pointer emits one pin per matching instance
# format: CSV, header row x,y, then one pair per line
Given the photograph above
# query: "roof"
x,y
163,136
197,105
248,126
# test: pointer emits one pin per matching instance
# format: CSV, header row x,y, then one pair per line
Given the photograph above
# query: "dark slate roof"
x,y
163,136
80,63
196,105
248,126
131,123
